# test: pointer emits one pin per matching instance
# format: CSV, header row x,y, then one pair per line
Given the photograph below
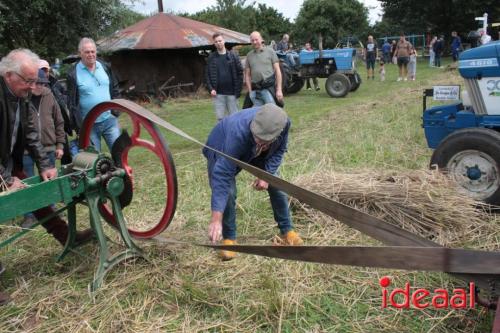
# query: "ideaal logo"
x,y
422,298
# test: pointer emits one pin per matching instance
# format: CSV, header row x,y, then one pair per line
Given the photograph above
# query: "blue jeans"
x,y
109,129
387,57
225,105
73,147
279,204
261,97
29,168
29,164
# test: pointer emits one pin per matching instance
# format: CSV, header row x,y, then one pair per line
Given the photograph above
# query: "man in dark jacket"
x,y
456,45
438,51
91,82
18,75
224,78
258,136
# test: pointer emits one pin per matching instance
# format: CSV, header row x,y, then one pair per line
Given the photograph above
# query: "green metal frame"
x,y
77,183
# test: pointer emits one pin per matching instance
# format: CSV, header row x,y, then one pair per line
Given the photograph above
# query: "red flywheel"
x,y
157,145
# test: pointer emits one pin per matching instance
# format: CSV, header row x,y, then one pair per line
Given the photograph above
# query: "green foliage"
x,y
436,17
332,19
237,15
53,28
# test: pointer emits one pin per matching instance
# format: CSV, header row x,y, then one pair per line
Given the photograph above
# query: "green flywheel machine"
x,y
102,183
92,179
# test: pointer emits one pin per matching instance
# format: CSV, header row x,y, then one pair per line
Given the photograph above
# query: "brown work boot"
x,y
59,229
84,236
289,238
226,255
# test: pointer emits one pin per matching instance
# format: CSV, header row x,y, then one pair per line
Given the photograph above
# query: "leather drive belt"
x,y
405,250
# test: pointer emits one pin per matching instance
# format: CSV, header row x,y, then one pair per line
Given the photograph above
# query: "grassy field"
x,y
188,289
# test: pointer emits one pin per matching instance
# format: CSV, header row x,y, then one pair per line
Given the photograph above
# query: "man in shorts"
x,y
403,50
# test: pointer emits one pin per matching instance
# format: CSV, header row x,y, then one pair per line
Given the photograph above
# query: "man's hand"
x,y
213,93
215,227
59,153
260,185
17,184
279,95
49,174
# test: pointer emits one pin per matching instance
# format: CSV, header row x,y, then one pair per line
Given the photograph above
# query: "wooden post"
x,y
160,6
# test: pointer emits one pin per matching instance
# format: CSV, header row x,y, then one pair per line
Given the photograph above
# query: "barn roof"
x,y
167,31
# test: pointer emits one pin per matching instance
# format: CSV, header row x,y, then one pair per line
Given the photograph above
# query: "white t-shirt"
x,y
485,39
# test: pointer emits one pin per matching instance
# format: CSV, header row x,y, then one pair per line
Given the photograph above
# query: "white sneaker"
x,y
399,79
406,79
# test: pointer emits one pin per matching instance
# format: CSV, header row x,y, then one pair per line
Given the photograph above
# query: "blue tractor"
x,y
466,134
336,65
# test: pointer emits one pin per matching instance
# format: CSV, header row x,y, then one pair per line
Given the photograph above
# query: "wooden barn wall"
x,y
149,69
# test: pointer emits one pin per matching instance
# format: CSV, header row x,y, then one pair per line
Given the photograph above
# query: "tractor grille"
x,y
476,97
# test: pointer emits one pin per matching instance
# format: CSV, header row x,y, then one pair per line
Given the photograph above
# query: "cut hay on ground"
x,y
423,202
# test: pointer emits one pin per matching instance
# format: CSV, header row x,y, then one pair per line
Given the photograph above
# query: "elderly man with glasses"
x,y
18,76
257,136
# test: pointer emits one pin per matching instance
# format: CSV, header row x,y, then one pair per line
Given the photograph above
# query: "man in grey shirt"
x,y
262,73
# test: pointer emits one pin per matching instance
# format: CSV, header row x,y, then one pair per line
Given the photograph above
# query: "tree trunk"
x,y
320,45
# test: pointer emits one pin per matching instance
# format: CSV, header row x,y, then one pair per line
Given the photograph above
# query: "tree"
x,y
328,21
52,28
436,17
236,15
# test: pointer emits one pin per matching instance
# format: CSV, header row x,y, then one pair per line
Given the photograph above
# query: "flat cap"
x,y
268,122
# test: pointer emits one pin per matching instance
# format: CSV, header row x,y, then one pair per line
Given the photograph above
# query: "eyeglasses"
x,y
29,82
262,145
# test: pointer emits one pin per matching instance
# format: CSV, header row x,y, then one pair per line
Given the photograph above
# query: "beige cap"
x,y
43,64
268,122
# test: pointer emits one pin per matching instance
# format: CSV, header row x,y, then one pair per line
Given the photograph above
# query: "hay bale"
x,y
423,202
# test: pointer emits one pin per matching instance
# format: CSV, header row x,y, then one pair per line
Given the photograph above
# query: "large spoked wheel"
x,y
337,85
155,144
471,157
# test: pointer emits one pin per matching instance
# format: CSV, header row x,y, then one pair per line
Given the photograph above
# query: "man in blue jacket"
x,y
257,136
456,45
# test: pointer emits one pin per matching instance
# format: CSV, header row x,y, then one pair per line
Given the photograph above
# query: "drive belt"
x,y
405,250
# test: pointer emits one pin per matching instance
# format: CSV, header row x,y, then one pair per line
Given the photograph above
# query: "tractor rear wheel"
x,y
471,157
355,81
295,83
337,85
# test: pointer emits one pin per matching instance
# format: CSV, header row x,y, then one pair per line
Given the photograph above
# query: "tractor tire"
x,y
286,76
337,85
355,80
294,85
471,157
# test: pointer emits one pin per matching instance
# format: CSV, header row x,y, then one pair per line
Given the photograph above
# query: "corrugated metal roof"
x,y
166,31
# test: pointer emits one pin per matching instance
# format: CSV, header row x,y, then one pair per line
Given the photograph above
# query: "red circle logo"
x,y
385,282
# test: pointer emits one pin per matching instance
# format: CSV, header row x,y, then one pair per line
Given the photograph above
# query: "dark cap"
x,y
268,122
42,77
